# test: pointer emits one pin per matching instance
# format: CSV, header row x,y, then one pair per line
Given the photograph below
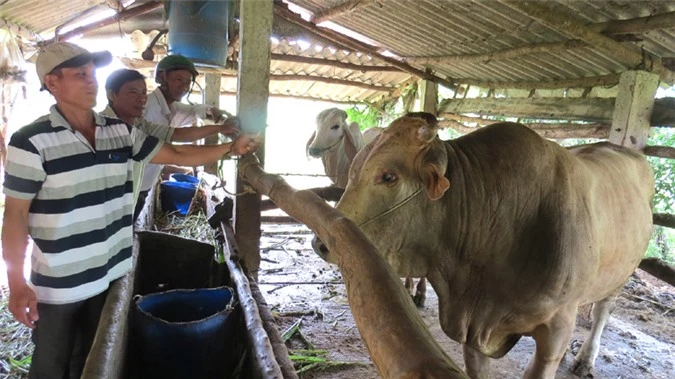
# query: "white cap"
x,y
66,54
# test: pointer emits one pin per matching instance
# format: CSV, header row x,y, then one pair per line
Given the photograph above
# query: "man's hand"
x,y
23,304
245,143
231,127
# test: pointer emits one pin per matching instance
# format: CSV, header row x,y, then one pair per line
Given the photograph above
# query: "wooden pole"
x,y
428,92
356,45
633,109
124,15
341,9
333,63
213,99
255,30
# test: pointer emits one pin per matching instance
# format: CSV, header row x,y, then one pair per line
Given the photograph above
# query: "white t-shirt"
x,y
177,115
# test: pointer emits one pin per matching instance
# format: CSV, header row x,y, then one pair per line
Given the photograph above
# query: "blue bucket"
x,y
184,178
184,333
198,30
176,196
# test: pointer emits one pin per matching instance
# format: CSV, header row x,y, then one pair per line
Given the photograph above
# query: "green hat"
x,y
175,62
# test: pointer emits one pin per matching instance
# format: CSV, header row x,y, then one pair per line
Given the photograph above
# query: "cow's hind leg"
x,y
585,359
552,340
420,293
477,364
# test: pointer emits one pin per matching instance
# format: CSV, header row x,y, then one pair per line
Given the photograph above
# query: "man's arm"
x,y
194,133
22,299
190,155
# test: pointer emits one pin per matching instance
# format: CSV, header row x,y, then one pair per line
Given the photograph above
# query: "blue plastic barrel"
x,y
184,333
177,177
198,30
176,196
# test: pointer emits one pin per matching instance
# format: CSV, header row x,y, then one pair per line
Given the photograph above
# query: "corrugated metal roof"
x,y
458,33
453,28
42,16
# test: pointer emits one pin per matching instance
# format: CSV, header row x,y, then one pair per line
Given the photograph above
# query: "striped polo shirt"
x,y
80,217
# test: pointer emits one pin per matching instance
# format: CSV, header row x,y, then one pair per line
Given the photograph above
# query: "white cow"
x,y
336,142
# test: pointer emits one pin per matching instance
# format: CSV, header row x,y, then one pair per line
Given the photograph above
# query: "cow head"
x,y
392,181
331,128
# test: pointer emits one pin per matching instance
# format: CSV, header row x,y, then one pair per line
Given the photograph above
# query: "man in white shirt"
x,y
175,75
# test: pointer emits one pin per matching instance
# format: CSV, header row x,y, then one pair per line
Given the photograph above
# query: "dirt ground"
x,y
639,341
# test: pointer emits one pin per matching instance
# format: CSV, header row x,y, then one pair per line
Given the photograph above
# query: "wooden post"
x,y
633,109
428,96
255,30
213,99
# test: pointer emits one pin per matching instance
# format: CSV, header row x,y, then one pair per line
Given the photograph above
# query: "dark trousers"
x,y
63,337
140,203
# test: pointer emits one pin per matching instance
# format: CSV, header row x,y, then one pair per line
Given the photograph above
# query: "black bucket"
x,y
184,333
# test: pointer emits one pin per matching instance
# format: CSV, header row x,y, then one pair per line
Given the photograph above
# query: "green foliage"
x,y
364,115
660,245
664,172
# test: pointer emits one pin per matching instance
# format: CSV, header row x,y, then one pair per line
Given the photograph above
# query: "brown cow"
x,y
514,232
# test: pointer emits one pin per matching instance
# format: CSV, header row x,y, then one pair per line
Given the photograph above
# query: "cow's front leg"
x,y
477,364
552,340
585,359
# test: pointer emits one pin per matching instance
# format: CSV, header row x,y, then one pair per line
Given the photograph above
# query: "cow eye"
x,y
388,178
335,127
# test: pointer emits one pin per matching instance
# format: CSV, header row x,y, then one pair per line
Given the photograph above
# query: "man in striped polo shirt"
x,y
68,185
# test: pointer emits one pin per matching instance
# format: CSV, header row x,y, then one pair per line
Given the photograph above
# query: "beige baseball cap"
x,y
66,54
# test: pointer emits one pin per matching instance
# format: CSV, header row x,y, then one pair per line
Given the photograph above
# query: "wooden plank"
x,y
633,109
589,109
660,152
255,29
212,98
595,109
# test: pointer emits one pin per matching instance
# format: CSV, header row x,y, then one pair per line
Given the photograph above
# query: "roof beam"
x,y
341,9
549,47
323,79
635,25
19,30
139,64
563,24
121,16
611,28
332,63
552,131
356,45
587,82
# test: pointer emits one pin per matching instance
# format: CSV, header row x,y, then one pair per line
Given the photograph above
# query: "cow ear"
x,y
343,115
431,167
309,142
435,182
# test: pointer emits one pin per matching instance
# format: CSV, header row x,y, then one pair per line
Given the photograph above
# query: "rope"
x,y
395,207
